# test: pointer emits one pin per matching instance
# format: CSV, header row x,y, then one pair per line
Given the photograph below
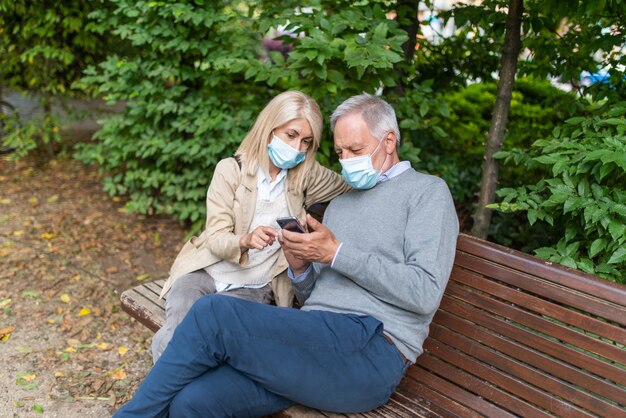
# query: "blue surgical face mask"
x,y
283,155
359,172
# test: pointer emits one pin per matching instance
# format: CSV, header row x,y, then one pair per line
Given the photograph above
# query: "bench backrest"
x,y
517,336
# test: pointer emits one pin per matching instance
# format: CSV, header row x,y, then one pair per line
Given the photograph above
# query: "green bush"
x,y
45,47
455,149
582,193
199,79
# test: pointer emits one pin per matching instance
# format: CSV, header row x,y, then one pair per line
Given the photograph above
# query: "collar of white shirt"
x,y
268,190
394,171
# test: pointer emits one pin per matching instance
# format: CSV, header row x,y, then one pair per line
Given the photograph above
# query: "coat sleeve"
x,y
324,185
219,235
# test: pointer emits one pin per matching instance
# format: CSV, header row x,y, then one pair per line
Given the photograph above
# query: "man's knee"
x,y
212,306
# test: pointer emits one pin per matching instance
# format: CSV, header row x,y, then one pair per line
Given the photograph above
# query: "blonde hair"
x,y
282,109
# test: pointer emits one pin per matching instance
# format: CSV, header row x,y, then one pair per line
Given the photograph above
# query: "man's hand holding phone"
x,y
319,245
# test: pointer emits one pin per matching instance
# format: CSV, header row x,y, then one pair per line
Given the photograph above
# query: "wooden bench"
x,y
514,336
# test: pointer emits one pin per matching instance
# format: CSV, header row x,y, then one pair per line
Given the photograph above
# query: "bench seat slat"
x,y
529,355
439,404
469,266
537,323
142,308
438,380
550,346
552,272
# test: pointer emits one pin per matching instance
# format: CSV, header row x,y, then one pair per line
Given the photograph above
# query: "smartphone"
x,y
290,223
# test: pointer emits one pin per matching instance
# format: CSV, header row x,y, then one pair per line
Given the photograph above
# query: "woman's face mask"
x,y
359,172
284,156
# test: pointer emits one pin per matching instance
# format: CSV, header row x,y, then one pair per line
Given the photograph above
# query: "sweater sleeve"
x,y
417,283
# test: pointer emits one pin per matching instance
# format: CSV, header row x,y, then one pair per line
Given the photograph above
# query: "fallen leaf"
x,y
84,312
65,298
18,233
5,201
142,277
27,380
38,408
53,198
47,235
33,200
5,333
102,346
70,350
5,302
73,342
31,293
122,350
59,374
119,375
90,345
24,349
111,270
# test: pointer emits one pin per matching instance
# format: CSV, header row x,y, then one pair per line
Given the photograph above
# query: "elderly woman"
x,y
273,174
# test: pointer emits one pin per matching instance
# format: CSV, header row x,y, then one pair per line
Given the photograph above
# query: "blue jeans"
x,y
234,358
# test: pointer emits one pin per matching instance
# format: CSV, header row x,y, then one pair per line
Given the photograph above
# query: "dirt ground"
x,y
67,251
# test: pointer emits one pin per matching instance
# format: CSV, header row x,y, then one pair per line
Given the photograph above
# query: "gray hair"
x,y
377,114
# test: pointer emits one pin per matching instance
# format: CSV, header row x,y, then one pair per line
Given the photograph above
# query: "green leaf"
x,y
617,230
618,256
38,408
597,246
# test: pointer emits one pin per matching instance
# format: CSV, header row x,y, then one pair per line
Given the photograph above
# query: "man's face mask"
x,y
359,172
284,156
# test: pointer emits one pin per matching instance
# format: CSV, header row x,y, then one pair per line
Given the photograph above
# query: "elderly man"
x,y
370,280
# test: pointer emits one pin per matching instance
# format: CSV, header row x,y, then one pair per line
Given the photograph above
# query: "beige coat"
x,y
231,200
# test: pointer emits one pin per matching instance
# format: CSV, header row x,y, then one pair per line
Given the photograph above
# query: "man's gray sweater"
x,y
399,241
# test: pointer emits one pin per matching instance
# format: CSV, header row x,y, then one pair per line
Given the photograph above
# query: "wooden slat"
x,y
143,309
552,272
532,284
489,382
477,378
537,323
465,395
544,307
531,356
551,347
418,391
528,379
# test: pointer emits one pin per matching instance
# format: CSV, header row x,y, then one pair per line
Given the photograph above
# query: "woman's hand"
x,y
260,238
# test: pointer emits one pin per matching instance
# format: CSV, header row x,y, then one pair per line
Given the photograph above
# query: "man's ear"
x,y
390,142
